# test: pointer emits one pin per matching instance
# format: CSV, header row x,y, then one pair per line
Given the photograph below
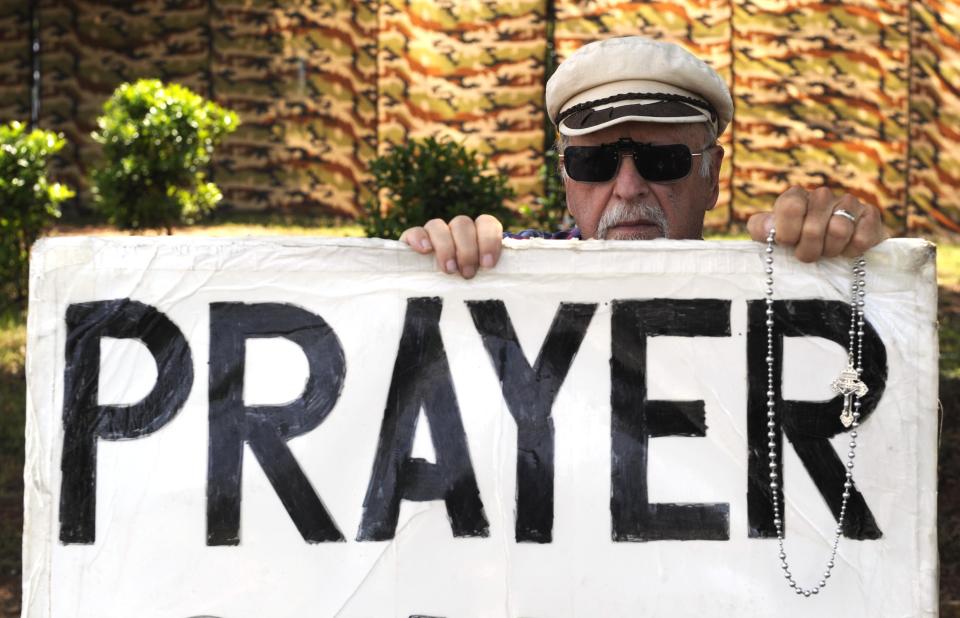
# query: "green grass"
x,y
709,234
275,224
13,339
948,265
948,280
230,224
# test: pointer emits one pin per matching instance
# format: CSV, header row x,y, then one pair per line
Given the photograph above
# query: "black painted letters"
x,y
637,419
530,393
422,379
807,424
267,428
85,421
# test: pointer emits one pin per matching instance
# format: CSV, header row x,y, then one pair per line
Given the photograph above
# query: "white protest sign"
x,y
289,428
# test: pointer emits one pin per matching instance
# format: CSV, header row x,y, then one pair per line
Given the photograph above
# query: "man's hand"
x,y
809,221
463,245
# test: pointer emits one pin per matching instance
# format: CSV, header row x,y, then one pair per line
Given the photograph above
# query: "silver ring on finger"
x,y
846,214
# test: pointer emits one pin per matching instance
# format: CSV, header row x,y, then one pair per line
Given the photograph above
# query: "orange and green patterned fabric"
x,y
864,96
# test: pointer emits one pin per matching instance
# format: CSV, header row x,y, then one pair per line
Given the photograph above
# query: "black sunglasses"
x,y
656,163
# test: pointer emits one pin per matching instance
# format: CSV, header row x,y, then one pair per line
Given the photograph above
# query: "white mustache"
x,y
622,212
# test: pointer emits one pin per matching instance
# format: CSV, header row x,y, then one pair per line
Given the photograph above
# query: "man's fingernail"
x,y
486,261
451,266
469,272
768,225
425,245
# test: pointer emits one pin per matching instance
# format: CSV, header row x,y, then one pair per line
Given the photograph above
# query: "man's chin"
x,y
634,232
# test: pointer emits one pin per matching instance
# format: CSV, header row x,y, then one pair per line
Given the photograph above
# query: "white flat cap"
x,y
634,78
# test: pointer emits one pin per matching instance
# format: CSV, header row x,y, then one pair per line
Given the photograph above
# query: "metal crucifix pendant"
x,y
849,384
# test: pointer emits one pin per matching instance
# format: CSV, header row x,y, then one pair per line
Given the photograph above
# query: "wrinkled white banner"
x,y
249,428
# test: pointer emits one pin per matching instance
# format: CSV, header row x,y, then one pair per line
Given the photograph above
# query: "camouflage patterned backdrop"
x,y
863,94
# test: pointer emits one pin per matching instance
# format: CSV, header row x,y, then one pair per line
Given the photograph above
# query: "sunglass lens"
x,y
663,163
591,163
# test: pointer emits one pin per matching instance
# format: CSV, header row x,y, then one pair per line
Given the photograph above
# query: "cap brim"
x,y
592,119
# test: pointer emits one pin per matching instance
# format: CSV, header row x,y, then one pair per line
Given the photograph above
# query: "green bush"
x,y
28,201
157,141
550,212
426,179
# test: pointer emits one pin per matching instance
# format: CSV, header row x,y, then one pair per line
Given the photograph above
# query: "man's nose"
x,y
629,184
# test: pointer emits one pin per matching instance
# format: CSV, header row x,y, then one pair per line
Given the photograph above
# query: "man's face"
x,y
630,208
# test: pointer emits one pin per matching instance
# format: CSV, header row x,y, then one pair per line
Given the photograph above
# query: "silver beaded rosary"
x,y
847,384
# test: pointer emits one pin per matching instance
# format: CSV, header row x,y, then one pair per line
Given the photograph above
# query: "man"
x,y
661,107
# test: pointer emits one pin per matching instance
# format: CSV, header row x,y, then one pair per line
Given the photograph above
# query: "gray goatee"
x,y
621,212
